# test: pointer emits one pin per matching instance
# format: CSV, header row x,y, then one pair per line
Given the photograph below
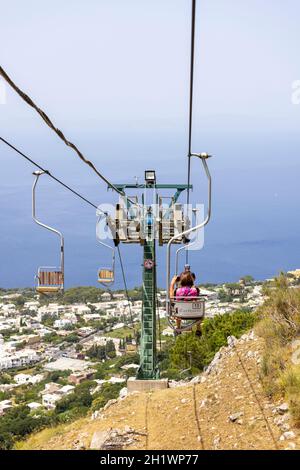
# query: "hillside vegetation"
x,y
280,328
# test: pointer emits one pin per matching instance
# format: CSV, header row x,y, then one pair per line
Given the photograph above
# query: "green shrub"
x,y
108,392
17,423
190,350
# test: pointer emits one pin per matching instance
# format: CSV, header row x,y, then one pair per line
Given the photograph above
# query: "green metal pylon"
x,y
148,361
148,366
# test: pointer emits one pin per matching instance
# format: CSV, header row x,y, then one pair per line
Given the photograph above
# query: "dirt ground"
x,y
227,410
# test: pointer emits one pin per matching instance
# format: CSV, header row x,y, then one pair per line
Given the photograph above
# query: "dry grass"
x,y
279,326
169,419
46,437
290,383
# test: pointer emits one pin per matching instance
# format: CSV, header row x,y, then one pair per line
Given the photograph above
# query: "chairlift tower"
x,y
145,223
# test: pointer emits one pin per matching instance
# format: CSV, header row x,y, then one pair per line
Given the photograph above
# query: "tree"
x,y
72,338
224,296
6,441
110,349
248,279
97,352
80,398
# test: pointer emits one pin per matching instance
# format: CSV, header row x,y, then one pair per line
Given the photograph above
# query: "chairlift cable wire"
x,y
158,317
192,64
48,173
125,284
30,160
58,132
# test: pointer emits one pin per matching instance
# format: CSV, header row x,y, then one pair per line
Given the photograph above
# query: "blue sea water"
x,y
255,227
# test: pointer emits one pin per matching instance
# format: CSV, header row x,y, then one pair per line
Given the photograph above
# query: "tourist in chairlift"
x,y
185,291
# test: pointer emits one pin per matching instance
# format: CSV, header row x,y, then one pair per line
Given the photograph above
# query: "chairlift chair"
x,y
49,279
189,310
106,275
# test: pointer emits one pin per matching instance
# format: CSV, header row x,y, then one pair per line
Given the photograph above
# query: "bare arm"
x,y
172,286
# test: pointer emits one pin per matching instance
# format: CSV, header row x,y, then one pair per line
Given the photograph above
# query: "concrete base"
x,y
137,385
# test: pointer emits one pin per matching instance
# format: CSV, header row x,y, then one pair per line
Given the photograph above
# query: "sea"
x,y
255,224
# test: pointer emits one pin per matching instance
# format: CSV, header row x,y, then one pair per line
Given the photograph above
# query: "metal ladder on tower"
x,y
148,369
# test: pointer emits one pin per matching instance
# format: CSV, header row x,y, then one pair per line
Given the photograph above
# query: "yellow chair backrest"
x,y
105,275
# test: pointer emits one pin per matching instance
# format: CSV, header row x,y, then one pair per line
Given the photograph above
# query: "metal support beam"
x,y
179,187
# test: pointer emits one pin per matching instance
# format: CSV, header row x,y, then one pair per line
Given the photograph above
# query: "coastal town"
x,y
41,338
71,355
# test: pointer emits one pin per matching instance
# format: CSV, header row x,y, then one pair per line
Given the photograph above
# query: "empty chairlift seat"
x,y
106,276
49,280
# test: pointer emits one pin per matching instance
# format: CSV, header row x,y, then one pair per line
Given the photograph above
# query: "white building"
x,y
80,309
44,312
4,406
22,379
53,310
92,317
8,310
116,380
106,296
17,358
61,324
49,399
119,296
210,294
132,366
34,405
32,303
70,316
44,331
7,324
118,326
66,390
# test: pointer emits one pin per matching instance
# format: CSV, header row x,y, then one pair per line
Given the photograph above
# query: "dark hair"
x,y
185,272
186,280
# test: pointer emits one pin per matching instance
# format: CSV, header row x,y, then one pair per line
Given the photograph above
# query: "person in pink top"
x,y
186,289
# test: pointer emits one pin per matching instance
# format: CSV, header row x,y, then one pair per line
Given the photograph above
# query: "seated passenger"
x,y
187,287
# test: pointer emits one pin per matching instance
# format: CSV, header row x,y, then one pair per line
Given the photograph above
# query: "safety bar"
x,y
203,157
37,174
186,299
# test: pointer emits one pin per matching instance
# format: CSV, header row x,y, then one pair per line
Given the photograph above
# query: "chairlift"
x,y
190,311
49,279
106,275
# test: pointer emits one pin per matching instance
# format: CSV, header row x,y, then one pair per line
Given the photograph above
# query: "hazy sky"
x,y
104,65
113,75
